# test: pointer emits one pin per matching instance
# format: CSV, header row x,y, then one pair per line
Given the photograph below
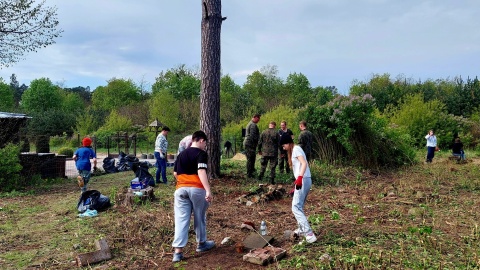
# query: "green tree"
x,y
265,88
232,94
416,117
41,96
17,89
117,123
166,108
72,103
322,95
299,92
25,26
181,82
117,93
7,102
379,86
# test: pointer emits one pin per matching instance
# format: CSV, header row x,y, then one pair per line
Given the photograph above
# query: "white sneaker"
x,y
309,238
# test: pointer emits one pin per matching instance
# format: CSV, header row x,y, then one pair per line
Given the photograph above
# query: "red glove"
x,y
298,182
291,192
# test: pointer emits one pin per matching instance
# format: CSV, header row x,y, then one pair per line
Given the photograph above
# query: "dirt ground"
x,y
133,249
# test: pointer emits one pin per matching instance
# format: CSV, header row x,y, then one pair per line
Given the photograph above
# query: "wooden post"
x,y
103,253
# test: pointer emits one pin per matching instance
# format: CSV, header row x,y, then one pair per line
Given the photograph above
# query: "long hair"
x,y
289,152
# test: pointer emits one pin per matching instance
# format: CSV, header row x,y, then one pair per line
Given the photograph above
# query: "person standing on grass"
x,y
298,162
192,195
82,158
252,134
161,146
457,148
305,140
431,145
268,146
283,157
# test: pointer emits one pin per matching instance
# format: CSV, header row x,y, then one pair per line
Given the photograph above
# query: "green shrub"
x,y
57,141
349,129
66,151
9,167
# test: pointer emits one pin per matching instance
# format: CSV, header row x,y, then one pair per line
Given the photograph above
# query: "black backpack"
x,y
93,200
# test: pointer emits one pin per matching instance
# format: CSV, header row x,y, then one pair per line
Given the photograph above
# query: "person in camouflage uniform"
x,y
268,147
250,142
305,140
283,157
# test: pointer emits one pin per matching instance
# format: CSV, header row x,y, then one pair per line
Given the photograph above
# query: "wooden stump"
x,y
130,196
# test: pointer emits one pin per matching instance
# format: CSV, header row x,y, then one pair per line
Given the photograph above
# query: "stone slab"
x,y
255,240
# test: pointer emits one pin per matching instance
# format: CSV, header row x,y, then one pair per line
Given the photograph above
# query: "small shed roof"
x,y
13,115
156,123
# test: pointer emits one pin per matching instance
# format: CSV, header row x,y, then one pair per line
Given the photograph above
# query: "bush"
x,y
9,167
348,129
65,151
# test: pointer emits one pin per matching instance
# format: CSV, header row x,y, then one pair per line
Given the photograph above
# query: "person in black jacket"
x,y
457,149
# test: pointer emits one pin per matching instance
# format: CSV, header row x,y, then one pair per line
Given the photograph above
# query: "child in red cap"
x,y
82,158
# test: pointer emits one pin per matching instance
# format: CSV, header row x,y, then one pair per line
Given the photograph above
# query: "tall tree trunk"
x,y
210,94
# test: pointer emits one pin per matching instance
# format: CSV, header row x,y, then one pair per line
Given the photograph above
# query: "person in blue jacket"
x,y
82,158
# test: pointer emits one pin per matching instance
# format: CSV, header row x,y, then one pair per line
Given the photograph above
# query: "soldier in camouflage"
x,y
305,140
268,147
250,142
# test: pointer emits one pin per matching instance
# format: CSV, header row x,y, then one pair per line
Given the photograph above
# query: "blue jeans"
x,y
461,155
161,165
430,153
299,198
188,200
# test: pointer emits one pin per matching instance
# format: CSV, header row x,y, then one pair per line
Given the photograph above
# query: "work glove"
x,y
299,182
161,155
291,192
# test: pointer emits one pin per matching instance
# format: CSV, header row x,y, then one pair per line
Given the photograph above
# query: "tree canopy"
x,y
25,27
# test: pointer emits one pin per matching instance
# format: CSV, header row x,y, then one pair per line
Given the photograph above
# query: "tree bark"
x,y
210,75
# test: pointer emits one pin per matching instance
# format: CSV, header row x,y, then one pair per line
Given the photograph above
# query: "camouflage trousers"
x,y
283,164
272,162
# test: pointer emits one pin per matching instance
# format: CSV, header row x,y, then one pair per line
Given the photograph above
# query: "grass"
x,y
419,217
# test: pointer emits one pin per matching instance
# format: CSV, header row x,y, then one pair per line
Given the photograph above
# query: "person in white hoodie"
x,y
431,145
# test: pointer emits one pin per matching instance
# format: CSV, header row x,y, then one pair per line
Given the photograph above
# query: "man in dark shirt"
x,y
305,140
192,195
283,158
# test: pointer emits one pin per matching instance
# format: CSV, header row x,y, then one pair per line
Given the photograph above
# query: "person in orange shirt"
x,y
192,195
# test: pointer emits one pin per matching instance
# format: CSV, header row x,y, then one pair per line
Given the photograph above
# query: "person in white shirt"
x,y
431,145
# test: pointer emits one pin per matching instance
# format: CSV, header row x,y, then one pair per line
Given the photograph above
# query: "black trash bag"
x,y
122,165
131,161
109,165
141,172
93,200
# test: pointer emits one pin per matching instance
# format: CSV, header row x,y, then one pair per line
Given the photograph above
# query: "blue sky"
x,y
331,42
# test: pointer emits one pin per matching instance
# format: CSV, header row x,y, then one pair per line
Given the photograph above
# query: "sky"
x,y
333,43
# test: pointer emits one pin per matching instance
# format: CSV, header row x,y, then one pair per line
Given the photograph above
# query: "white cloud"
x,y
331,42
